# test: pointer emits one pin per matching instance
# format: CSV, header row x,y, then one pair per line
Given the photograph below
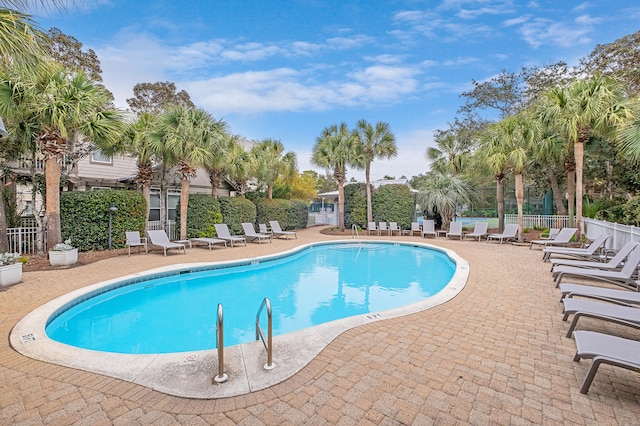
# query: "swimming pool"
x,y
177,312
189,374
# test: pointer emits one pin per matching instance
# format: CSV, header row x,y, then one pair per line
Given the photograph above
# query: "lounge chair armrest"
x,y
602,298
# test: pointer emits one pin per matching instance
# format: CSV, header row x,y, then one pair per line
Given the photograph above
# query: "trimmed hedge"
x,y
355,205
203,212
393,203
290,214
236,210
84,217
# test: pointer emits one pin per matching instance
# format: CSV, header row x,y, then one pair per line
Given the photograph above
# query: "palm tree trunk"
x,y
146,194
270,191
184,204
500,201
341,204
4,237
52,204
520,201
555,190
579,155
367,172
571,197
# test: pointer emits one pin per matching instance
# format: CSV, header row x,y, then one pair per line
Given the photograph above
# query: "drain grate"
x,y
28,338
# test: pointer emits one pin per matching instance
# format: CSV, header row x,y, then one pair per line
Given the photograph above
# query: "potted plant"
x,y
10,269
63,254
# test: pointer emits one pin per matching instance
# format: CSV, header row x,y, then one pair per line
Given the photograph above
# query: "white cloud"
x,y
546,32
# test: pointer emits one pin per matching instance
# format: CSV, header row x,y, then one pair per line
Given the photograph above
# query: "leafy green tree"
x,y
157,97
271,162
67,50
376,142
186,137
335,149
587,108
442,193
58,104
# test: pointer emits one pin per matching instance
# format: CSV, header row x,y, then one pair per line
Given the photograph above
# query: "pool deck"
x,y
495,354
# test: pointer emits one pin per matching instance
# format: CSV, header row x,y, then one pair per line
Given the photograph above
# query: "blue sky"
x,y
287,69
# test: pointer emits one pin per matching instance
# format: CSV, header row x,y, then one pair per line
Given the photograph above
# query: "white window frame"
x,y
98,157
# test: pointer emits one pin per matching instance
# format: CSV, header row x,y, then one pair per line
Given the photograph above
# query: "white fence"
x,y
620,234
170,228
24,240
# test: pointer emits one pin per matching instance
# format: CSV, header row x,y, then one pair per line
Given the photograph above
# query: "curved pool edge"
x,y
189,374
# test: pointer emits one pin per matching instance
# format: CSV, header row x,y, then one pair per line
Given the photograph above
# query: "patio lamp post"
x,y
111,210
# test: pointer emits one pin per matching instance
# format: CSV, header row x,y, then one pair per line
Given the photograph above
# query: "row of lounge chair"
x,y
160,239
609,303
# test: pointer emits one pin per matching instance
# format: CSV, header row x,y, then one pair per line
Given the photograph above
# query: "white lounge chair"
x,y
393,227
263,229
371,227
222,230
614,263
589,252
135,240
278,232
429,228
623,277
455,230
382,228
251,235
611,311
569,290
553,232
159,238
509,233
210,242
479,231
605,349
562,239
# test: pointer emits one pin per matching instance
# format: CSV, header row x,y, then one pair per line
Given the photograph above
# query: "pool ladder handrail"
x,y
354,232
222,376
268,341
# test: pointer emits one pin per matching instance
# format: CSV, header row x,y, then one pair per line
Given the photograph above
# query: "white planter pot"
x,y
63,257
10,274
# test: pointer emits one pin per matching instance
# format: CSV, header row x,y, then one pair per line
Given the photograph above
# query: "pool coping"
x,y
189,374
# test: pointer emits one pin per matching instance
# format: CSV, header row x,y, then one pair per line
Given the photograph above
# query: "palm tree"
x,y
239,166
442,193
186,137
136,143
507,144
20,40
451,155
593,107
59,104
378,142
271,162
217,163
335,149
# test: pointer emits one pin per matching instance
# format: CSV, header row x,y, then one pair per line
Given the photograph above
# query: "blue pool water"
x,y
319,284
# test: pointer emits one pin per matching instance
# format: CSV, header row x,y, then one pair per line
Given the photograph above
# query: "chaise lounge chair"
x,y
562,239
611,310
588,252
371,227
428,228
605,349
159,238
278,232
222,230
569,290
614,263
134,240
251,235
623,277
479,231
210,242
455,230
509,233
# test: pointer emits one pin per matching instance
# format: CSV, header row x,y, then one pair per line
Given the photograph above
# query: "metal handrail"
x,y
222,376
268,341
354,231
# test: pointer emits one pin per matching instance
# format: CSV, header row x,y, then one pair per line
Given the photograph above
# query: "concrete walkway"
x,y
495,354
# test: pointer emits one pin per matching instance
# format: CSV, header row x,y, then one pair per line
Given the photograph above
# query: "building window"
x,y
27,208
154,205
173,198
98,156
100,188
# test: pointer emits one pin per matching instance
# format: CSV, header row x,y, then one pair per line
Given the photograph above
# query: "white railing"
x,y
24,240
170,228
539,220
620,234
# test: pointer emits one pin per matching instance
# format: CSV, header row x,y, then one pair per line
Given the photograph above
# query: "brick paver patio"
x,y
496,354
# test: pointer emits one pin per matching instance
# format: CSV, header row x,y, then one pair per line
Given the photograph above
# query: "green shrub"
x,y
202,213
236,210
84,217
393,203
355,205
290,214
